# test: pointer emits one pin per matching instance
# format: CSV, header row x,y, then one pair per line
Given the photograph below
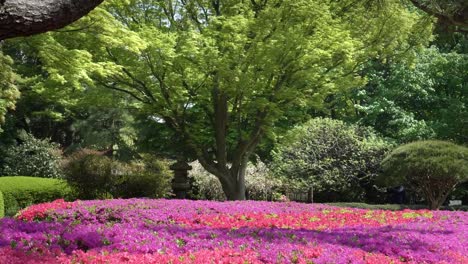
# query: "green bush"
x,y
20,192
433,167
147,177
93,175
2,205
33,157
338,160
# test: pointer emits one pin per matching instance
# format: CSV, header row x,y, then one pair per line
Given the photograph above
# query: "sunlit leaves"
x,y
8,90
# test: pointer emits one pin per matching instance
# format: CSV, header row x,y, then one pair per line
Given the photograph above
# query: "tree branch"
x,y
458,18
19,18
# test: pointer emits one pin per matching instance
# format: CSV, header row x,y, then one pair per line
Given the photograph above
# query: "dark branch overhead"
x,y
449,14
19,18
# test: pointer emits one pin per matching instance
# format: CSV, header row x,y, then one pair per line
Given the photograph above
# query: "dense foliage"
x,y
200,232
91,174
147,177
20,191
94,175
32,157
8,90
338,160
424,98
434,167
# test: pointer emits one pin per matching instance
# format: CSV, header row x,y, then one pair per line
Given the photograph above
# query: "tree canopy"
x,y
412,100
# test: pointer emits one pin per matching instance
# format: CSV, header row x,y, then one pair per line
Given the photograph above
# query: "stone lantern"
x,y
180,183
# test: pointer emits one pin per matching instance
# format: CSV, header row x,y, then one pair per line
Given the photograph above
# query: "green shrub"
x,y
433,167
2,205
147,177
20,192
93,175
338,160
33,157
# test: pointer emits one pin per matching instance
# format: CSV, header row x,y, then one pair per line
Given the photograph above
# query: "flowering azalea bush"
x,y
181,231
40,211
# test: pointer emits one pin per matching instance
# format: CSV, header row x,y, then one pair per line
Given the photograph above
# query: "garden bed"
x,y
180,231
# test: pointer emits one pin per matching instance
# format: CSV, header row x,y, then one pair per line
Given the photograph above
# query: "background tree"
x,y
221,75
433,167
410,100
52,108
8,90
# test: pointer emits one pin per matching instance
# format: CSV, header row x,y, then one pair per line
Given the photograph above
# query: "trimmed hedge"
x,y
21,191
2,206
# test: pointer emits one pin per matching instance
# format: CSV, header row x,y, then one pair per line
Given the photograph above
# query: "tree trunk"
x,y
19,18
236,195
233,181
434,204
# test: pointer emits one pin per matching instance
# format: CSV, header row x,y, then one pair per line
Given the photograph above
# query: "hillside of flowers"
x,y
182,231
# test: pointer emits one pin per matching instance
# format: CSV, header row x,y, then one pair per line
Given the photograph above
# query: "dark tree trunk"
x,y
238,192
232,180
436,192
19,18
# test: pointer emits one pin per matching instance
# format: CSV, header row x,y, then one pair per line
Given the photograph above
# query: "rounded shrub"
x,y
338,160
21,191
33,157
433,167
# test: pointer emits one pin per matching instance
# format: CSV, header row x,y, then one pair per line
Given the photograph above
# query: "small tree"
x,y
433,167
333,157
